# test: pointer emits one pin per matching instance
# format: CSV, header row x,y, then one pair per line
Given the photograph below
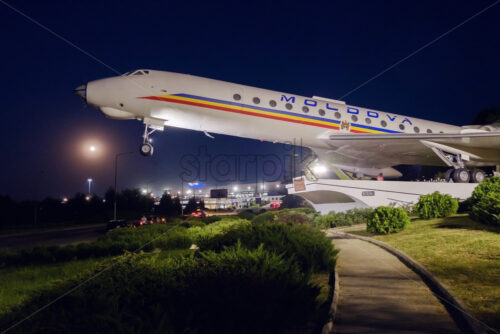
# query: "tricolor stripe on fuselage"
x,y
240,108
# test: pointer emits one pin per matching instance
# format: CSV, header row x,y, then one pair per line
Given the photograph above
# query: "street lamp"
x,y
90,182
116,178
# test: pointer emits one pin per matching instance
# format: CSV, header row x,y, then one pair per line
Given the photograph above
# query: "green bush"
x,y
211,219
487,210
309,247
235,291
114,242
385,220
435,205
298,215
248,215
176,238
348,218
488,186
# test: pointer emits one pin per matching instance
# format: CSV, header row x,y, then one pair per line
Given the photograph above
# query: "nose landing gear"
x,y
146,148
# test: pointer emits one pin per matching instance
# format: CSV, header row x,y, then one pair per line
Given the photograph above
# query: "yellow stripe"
x,y
254,111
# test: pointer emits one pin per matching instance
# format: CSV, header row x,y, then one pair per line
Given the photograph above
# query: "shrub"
x,y
114,242
490,185
348,218
386,220
435,205
211,219
310,248
487,210
266,217
191,222
177,238
237,290
248,215
290,217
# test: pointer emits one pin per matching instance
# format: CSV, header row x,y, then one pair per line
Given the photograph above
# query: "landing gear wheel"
x,y
448,174
461,175
146,149
477,176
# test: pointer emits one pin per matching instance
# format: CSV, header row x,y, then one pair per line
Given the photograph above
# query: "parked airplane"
x,y
359,140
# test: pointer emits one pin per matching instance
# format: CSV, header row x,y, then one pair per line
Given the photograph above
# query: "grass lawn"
x,y
20,282
462,254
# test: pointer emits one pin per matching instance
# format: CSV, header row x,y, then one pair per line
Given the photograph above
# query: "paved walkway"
x,y
379,294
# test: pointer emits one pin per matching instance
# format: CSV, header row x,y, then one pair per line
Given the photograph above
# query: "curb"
x,y
454,307
328,327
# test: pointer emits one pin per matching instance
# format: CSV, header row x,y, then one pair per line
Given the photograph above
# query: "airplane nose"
x,y
82,92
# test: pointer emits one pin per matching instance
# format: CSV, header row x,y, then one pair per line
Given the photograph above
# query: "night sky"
x,y
324,49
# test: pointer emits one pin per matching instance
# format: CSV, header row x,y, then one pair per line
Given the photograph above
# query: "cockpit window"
x,y
137,72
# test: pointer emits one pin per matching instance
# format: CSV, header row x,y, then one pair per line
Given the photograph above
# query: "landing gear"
x,y
477,175
146,148
461,175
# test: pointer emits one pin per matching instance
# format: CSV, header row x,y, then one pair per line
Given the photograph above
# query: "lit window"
x,y
401,126
288,106
383,123
337,114
321,112
305,109
368,120
237,97
272,103
256,100
354,118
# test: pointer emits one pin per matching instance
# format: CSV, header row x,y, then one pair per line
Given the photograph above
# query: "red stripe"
x,y
197,104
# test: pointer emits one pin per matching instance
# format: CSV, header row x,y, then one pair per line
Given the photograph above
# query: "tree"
x,y
201,205
191,206
177,207
487,116
166,206
294,201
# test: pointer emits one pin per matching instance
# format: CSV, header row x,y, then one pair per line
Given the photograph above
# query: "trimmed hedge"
x,y
235,291
488,186
487,209
309,247
435,205
385,220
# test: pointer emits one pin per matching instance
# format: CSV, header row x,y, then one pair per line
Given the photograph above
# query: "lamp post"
x,y
90,182
116,178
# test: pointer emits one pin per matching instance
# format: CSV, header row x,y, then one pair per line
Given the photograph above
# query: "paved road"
x,y
61,237
379,294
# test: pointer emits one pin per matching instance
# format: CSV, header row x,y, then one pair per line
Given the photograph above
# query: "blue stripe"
x,y
373,128
280,112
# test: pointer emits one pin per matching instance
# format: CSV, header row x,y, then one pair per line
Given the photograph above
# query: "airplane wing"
x,y
386,150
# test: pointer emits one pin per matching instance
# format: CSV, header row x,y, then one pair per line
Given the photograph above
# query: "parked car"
x,y
199,213
118,223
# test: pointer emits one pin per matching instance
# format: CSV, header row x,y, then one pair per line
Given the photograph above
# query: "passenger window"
x,y
429,131
368,120
354,118
383,123
288,106
272,103
416,129
401,126
337,114
256,100
321,112
237,97
305,109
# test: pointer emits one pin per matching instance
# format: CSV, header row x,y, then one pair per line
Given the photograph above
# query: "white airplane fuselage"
x,y
184,101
